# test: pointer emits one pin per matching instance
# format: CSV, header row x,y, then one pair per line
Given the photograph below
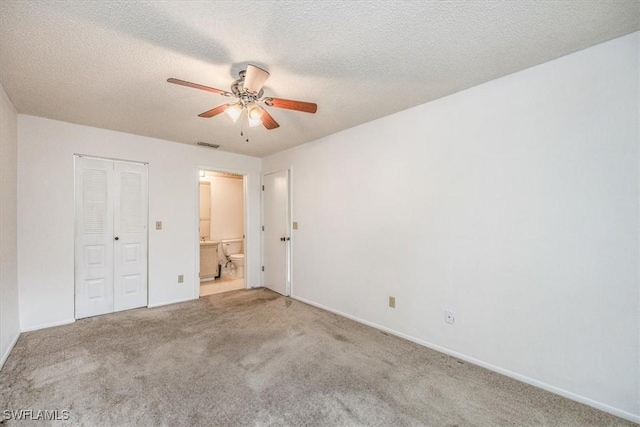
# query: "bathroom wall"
x,y
9,316
227,207
205,209
514,203
46,212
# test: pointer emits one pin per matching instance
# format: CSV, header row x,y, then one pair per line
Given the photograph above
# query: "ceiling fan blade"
x,y
289,104
254,78
197,86
215,111
268,121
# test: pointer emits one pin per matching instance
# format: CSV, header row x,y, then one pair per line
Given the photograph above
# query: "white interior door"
x,y
111,236
130,236
276,237
94,237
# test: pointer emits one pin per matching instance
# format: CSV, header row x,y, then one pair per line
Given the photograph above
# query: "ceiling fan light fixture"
x,y
254,112
254,122
234,112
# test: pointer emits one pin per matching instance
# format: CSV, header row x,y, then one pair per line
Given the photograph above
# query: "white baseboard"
x,y
6,354
160,304
48,325
564,393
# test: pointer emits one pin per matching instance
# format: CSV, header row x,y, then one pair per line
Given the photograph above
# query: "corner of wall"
x,y
9,312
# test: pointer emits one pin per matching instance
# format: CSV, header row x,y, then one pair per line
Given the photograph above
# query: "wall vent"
x,y
206,144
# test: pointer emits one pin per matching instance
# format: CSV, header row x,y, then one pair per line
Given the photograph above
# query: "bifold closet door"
x,y
94,237
111,236
130,229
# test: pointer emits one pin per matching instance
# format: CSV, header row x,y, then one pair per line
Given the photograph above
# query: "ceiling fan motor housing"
x,y
245,97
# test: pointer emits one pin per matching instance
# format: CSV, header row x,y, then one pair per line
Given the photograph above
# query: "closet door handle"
x,y
117,238
282,239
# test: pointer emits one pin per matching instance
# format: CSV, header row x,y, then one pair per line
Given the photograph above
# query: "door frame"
x,y
247,211
75,216
289,228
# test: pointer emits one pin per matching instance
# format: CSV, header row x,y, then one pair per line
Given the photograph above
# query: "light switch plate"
x,y
180,278
392,302
158,225
295,225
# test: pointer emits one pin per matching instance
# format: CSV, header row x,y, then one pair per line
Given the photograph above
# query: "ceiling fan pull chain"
x,y
242,129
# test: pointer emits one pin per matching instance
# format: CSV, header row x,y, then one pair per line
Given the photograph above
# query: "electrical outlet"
x,y
392,302
449,317
180,278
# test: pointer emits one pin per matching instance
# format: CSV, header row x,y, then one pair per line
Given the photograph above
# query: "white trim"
x,y
5,356
290,229
548,387
48,325
160,304
112,159
262,230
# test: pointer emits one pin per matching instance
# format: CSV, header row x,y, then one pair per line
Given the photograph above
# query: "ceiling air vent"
x,y
206,144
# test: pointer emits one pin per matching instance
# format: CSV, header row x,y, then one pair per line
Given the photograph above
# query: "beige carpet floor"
x,y
254,358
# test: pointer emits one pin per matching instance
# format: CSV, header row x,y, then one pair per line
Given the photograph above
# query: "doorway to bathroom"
x,y
221,231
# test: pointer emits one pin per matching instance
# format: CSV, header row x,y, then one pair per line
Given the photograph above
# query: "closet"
x,y
111,205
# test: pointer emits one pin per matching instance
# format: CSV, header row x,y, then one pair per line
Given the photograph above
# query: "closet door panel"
x,y
93,237
130,231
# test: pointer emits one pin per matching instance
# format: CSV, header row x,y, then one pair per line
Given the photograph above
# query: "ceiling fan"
x,y
248,93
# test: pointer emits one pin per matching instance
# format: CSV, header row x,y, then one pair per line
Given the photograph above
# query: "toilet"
x,y
232,250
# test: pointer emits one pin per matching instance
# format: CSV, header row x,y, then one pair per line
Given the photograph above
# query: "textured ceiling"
x,y
105,64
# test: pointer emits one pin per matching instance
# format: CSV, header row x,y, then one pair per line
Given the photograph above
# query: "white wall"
x,y
9,318
514,203
46,212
